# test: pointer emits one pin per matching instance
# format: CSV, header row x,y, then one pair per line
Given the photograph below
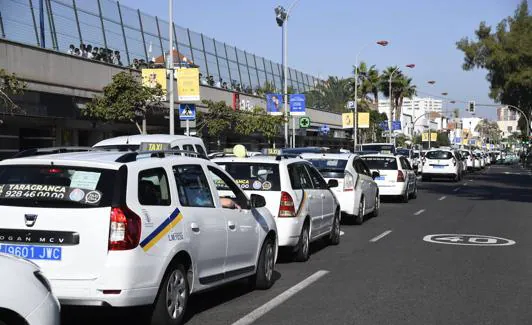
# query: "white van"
x,y
154,142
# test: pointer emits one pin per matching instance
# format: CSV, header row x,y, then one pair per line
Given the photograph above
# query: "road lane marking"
x,y
264,309
442,198
419,212
384,234
456,189
342,233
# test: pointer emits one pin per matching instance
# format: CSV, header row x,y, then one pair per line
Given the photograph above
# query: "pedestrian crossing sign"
x,y
187,112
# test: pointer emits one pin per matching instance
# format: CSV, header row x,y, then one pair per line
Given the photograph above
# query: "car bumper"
x,y
441,175
347,202
397,189
289,230
48,312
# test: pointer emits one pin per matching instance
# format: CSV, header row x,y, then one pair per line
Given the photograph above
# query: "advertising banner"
x,y
153,77
188,88
347,120
274,104
363,120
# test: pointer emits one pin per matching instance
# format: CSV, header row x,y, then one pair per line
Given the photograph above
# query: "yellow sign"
x,y
425,136
363,120
240,151
188,89
153,77
347,120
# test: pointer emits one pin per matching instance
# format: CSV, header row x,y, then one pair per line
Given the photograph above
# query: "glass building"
x,y
138,38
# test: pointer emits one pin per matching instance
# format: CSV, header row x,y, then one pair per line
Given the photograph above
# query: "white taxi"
x,y
296,194
129,229
441,163
357,192
396,176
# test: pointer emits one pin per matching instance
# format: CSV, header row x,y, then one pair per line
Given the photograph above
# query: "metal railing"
x,y
128,37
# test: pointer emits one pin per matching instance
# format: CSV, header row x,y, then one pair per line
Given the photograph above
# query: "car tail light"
x,y
286,208
400,176
349,182
124,232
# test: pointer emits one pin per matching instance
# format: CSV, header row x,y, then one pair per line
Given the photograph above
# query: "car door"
x,y
302,186
205,226
409,174
369,188
242,238
326,196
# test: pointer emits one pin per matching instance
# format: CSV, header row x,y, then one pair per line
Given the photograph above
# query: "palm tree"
x,y
368,83
385,87
405,89
332,95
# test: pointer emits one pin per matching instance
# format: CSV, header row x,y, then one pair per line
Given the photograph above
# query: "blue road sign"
x,y
457,140
324,129
187,112
274,104
396,125
297,104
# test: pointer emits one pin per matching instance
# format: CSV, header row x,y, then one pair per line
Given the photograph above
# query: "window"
x,y
228,188
317,179
438,154
200,150
192,186
254,176
299,177
381,163
405,163
365,168
153,187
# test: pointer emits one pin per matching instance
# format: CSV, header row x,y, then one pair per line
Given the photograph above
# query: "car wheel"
x,y
334,236
359,218
375,212
172,299
263,278
303,246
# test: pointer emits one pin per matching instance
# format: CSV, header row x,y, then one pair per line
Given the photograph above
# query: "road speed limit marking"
x,y
468,240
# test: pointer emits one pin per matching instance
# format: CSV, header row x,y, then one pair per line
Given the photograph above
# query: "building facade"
x,y
507,120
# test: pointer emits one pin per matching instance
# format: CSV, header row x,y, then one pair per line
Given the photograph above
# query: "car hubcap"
x,y
175,294
377,203
269,262
305,242
361,210
336,227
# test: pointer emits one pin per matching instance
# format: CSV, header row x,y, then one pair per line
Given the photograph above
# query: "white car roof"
x,y
380,155
137,139
255,159
338,156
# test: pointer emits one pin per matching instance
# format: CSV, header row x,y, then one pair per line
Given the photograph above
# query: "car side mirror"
x,y
257,201
375,175
332,183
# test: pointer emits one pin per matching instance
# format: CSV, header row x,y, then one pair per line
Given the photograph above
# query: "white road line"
x,y
419,212
442,198
384,234
456,189
342,233
264,309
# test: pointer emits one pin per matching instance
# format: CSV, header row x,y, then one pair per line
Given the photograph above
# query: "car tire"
x,y
263,278
302,253
456,178
174,290
359,218
334,236
375,212
425,178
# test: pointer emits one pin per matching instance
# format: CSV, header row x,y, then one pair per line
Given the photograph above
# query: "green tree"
x,y
442,139
10,86
369,81
218,119
125,99
332,95
401,87
506,54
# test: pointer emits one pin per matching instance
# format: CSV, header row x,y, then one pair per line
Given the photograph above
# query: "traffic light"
x,y
471,107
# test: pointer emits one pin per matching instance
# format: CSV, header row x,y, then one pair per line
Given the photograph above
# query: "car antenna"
x,y
127,140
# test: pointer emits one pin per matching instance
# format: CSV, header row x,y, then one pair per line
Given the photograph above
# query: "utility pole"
x,y
171,67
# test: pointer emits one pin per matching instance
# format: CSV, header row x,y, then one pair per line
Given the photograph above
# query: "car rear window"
x,y
439,155
381,163
330,168
381,148
56,186
254,176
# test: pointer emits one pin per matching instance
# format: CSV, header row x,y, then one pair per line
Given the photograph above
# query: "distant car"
x,y
49,151
441,163
27,296
297,195
154,142
470,159
385,148
357,192
396,176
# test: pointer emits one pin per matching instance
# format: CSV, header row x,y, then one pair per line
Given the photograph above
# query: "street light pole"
x,y
171,67
355,113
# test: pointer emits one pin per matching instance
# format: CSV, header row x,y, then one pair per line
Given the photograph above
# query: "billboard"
x,y
363,120
153,77
188,88
297,105
347,120
274,104
425,136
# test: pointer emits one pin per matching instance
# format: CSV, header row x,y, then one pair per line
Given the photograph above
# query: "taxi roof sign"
x,y
154,146
240,151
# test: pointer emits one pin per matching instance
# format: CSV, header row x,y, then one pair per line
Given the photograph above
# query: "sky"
x,y
324,37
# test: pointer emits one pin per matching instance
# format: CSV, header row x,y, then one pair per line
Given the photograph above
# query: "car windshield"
x,y
415,155
439,154
380,163
254,176
55,186
381,148
403,152
330,168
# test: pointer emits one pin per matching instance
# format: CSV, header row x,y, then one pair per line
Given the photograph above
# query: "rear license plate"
x,y
379,178
33,252
438,166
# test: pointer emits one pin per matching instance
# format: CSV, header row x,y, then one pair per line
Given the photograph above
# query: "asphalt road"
x,y
383,272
